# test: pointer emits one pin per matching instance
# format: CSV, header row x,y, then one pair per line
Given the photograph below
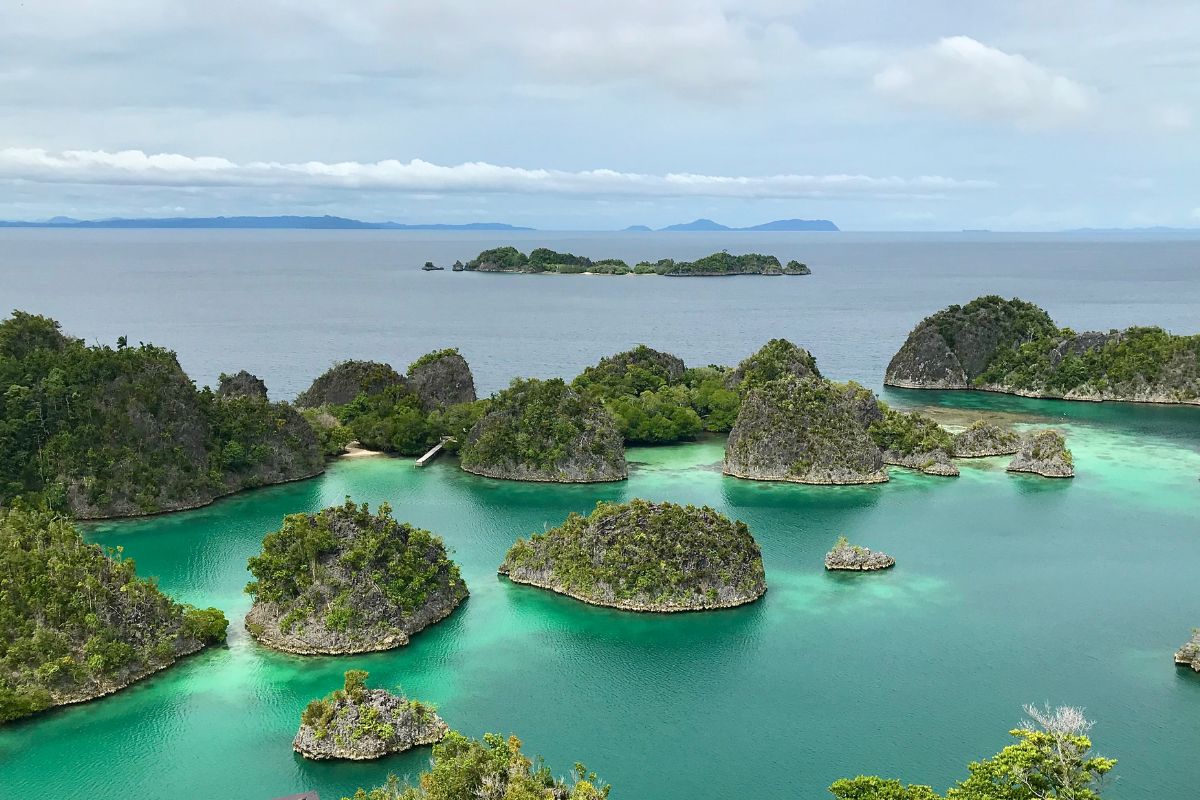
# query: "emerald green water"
x,y
1008,590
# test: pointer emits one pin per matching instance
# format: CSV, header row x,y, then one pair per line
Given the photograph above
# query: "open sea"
x,y
1008,589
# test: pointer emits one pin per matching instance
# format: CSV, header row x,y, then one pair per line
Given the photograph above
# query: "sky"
x,y
1019,115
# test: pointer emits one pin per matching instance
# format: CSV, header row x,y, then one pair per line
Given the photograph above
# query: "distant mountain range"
x,y
285,222
777,225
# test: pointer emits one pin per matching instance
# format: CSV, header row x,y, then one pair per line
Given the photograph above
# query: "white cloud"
x,y
1172,118
136,168
965,77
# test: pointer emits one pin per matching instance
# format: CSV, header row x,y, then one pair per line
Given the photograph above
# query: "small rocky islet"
x,y
1189,654
983,439
346,580
356,723
853,558
644,556
1044,453
1014,347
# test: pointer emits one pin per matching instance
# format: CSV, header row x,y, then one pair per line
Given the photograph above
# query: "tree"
x,y
1050,761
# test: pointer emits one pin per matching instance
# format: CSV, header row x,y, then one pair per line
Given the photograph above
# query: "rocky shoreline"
x,y
1189,654
625,605
106,688
852,558
360,724
1044,453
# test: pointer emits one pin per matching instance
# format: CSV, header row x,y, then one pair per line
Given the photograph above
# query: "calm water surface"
x,y
1008,589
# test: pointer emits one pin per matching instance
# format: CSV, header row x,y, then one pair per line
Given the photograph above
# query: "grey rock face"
x,y
845,556
805,430
343,382
241,384
444,380
930,462
1189,654
378,724
983,439
949,349
1044,453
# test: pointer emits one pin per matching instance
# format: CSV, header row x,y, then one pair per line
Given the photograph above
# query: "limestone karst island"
x,y
394,405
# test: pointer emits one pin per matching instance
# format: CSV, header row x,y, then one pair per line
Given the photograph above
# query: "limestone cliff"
x,y
806,430
545,431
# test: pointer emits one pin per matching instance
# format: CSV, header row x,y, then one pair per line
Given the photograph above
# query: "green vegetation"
x,y
1120,363
76,623
908,432
499,259
1050,761
101,431
384,411
722,263
332,435
645,554
656,400
545,429
430,358
310,569
323,715
542,259
345,381
777,359
493,768
1014,346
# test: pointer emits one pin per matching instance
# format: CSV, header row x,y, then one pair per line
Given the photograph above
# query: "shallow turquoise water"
x,y
1008,590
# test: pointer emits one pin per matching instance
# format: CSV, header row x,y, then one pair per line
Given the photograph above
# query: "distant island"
x,y
775,225
544,260
279,223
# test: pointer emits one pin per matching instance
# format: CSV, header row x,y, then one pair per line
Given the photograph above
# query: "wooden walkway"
x,y
433,452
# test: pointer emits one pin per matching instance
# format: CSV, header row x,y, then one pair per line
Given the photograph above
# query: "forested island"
x,y
101,432
643,556
77,623
346,580
359,724
1014,347
545,260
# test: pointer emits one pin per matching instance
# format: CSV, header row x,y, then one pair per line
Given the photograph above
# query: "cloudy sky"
x,y
1021,115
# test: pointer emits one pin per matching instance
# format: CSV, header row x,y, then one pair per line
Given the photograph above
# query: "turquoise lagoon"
x,y
1009,589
